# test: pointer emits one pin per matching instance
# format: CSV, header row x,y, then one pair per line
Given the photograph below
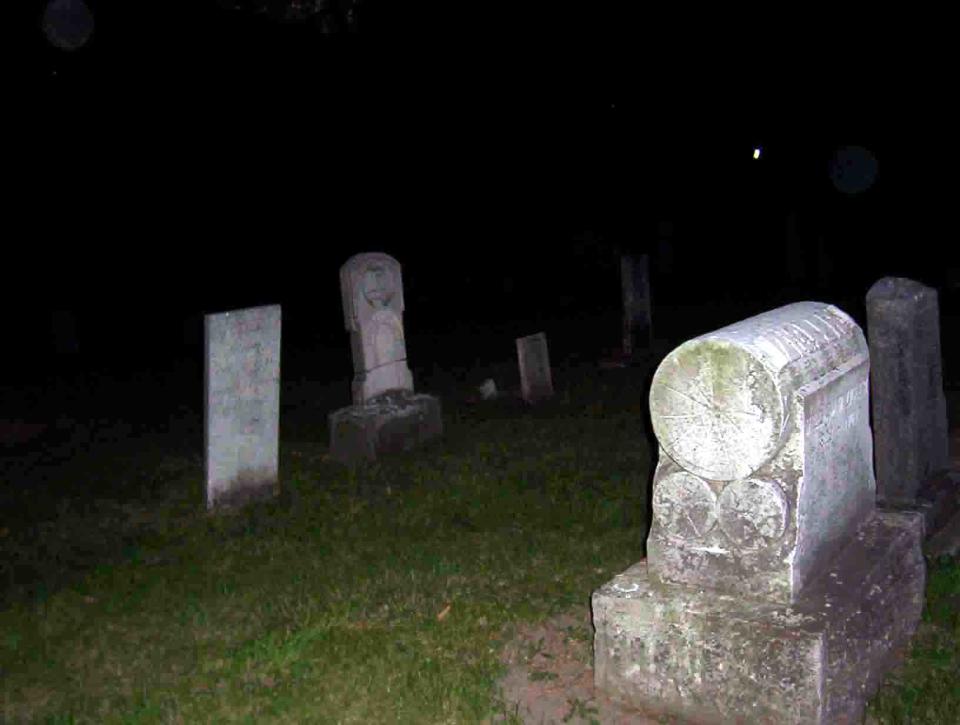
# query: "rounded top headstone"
x,y
720,403
897,290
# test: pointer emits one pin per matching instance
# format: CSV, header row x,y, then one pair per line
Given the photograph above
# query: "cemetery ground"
x,y
449,584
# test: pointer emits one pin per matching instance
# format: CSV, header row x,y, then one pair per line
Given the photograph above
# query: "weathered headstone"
x,y
776,408
637,314
909,408
386,415
536,379
242,389
773,590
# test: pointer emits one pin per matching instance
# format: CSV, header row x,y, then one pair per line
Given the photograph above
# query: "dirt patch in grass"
x,y
550,676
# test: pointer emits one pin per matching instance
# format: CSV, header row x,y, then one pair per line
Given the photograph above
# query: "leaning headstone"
x,y
242,387
773,590
635,288
386,415
536,380
909,408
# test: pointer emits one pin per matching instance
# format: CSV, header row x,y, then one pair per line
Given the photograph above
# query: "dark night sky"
x,y
192,160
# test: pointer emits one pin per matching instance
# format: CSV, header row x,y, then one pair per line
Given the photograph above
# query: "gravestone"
x,y
386,415
909,408
637,314
773,590
242,411
536,380
372,292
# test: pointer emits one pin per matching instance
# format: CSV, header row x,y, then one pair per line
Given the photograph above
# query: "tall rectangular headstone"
x,y
909,407
637,315
536,379
242,412
773,591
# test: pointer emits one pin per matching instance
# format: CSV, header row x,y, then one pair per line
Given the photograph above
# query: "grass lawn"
x,y
384,593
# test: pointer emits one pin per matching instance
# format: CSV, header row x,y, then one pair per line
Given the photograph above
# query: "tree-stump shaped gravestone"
x,y
773,590
386,415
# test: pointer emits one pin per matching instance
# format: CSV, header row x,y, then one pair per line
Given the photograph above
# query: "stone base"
x,y
706,657
938,500
390,423
245,490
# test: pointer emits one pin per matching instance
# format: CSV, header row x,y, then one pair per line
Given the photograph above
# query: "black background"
x,y
190,159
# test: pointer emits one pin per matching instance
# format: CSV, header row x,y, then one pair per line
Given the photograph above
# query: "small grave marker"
x,y
536,380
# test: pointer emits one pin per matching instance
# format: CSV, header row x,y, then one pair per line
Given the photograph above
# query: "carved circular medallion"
x,y
716,410
684,505
753,513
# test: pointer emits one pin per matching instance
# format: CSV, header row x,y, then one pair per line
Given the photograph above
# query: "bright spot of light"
x,y
756,152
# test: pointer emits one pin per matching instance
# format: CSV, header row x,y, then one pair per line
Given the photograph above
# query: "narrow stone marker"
x,y
536,379
909,407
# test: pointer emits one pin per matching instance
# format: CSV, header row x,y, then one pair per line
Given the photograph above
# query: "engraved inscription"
x,y
845,414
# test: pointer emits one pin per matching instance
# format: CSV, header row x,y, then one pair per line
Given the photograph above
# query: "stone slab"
x,y
707,657
390,423
242,410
